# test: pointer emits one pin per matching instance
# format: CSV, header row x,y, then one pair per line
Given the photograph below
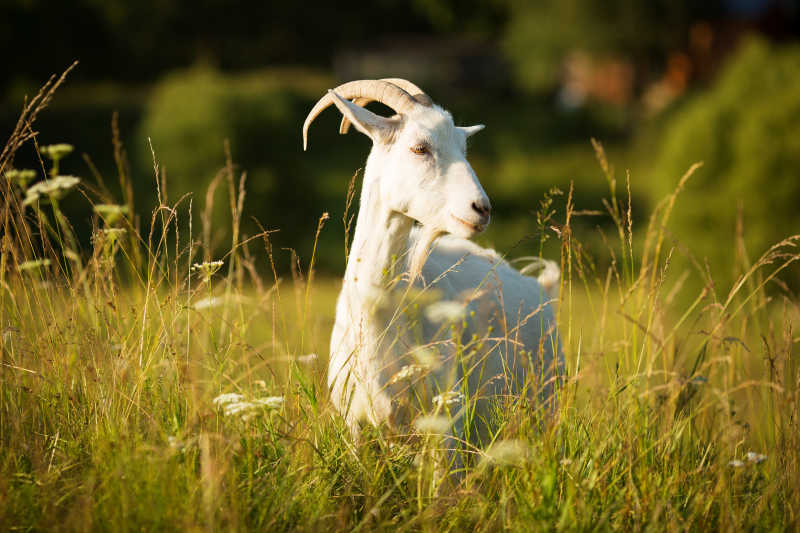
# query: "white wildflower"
x,y
53,189
302,359
445,311
736,463
235,404
270,402
437,425
756,458
109,236
20,177
205,303
217,301
226,398
175,443
447,399
407,372
507,452
426,357
308,358
234,408
56,151
111,213
206,269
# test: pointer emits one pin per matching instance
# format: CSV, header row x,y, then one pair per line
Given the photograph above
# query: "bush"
x,y
192,113
745,130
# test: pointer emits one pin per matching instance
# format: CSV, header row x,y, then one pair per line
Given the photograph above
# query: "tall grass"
x,y
113,356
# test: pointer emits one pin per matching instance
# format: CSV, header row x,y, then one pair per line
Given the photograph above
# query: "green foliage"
x,y
745,130
193,113
187,120
540,34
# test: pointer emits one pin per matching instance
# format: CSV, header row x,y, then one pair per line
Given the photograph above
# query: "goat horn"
x,y
375,90
415,92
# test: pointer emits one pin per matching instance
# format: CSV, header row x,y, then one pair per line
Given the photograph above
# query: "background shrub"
x,y
746,129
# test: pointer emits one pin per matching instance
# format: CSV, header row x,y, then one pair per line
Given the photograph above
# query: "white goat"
x,y
418,187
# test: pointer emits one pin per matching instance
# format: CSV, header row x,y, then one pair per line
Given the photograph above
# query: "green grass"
x,y
111,361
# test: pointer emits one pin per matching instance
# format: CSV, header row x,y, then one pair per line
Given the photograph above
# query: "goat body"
x,y
424,313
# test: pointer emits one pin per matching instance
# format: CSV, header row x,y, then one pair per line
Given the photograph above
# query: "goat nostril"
x,y
481,209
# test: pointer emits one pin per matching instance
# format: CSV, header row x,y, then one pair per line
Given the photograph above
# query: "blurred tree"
x,y
540,34
193,112
746,129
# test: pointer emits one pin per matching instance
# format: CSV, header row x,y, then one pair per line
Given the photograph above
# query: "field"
x,y
678,409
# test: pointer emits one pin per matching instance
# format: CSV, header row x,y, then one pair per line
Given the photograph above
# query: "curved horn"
x,y
375,90
415,92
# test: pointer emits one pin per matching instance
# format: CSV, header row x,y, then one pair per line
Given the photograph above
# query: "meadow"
x,y
149,384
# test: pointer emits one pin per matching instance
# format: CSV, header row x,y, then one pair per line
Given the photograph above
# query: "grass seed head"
x,y
34,265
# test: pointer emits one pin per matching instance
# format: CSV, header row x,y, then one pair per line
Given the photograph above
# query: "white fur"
x,y
416,213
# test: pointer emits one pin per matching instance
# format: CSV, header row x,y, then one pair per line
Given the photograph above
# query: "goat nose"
x,y
482,209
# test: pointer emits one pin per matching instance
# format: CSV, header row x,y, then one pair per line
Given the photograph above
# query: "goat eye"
x,y
419,149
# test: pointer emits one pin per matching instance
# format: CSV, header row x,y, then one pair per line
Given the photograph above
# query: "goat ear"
x,y
374,126
469,131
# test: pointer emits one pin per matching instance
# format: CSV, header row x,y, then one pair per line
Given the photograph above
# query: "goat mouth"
x,y
469,225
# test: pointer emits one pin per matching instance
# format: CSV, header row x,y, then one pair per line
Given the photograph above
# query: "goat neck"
x,y
380,240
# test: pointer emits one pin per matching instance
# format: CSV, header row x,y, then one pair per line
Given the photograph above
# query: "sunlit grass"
x,y
146,385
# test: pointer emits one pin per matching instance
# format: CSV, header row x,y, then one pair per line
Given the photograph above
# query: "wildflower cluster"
x,y
111,213
206,269
445,311
107,239
427,357
20,177
50,190
112,235
407,372
432,424
233,404
447,399
751,458
56,152
510,452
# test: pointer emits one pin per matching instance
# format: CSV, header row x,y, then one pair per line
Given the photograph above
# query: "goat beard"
x,y
421,250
